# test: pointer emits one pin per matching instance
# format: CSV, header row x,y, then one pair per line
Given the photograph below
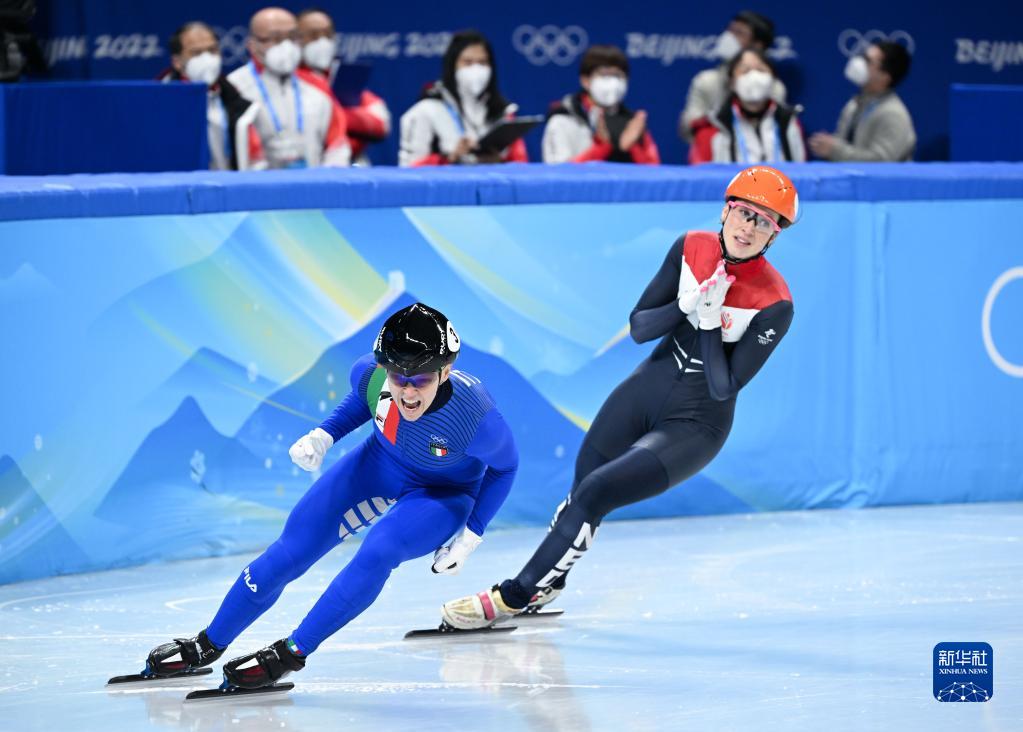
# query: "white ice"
x,y
822,620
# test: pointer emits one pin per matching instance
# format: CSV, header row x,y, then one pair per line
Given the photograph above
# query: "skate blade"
x,y
541,612
233,692
131,678
448,631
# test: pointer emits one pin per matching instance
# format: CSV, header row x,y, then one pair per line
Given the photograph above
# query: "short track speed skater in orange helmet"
x,y
759,202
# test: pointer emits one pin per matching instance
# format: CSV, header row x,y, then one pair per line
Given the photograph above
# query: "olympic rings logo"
x,y
852,43
550,44
232,45
1012,369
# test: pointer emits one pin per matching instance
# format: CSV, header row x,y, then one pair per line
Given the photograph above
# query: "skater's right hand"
x,y
688,289
308,452
449,559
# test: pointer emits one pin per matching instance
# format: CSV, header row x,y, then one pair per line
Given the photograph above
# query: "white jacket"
x,y
436,124
566,136
321,141
707,92
759,141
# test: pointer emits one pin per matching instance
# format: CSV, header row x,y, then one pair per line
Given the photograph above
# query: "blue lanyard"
x,y
269,105
743,151
227,131
868,110
457,118
860,116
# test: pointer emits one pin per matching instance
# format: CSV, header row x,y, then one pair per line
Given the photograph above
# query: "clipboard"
x,y
507,131
350,80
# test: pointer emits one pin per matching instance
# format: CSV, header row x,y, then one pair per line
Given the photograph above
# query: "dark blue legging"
x,y
352,494
641,443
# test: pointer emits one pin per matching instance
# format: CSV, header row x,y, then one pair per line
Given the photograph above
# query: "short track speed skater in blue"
x,y
438,465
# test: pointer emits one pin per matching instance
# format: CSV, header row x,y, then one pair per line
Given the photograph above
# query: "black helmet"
x,y
416,340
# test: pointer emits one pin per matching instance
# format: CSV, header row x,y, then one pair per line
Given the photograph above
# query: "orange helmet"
x,y
768,187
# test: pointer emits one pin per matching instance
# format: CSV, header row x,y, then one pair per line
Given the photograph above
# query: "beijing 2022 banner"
x,y
538,47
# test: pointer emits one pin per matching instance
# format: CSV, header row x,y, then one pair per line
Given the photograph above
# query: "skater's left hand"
x,y
449,559
712,298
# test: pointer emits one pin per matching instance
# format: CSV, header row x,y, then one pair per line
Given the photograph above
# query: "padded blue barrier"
x,y
985,123
157,367
102,126
212,192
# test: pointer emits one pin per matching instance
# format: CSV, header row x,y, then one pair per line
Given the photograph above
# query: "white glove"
x,y
688,289
712,297
449,559
308,452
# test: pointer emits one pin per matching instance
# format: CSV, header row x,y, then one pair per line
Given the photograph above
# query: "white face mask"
x,y
727,46
607,91
472,80
320,53
754,86
205,67
283,58
857,71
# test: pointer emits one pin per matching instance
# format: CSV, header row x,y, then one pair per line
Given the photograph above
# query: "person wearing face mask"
x,y
750,127
455,112
370,120
195,56
593,124
720,309
874,125
299,123
437,466
710,88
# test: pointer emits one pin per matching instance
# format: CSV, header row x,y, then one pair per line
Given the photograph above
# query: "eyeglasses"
x,y
276,38
761,224
416,381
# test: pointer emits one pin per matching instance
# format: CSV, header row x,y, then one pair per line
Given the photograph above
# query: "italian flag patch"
x,y
438,450
380,403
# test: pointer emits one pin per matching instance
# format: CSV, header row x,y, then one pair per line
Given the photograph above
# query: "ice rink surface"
x,y
822,620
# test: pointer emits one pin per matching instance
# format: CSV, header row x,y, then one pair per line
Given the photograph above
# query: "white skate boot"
x,y
477,611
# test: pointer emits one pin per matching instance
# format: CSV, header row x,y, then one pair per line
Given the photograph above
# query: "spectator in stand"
x,y
299,122
750,127
367,122
874,125
455,112
710,88
20,52
593,124
195,56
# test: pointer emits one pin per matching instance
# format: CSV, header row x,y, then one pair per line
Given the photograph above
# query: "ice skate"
x,y
256,673
474,612
543,597
180,658
265,667
183,655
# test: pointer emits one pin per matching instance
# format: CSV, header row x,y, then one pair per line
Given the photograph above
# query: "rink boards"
x,y
168,337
